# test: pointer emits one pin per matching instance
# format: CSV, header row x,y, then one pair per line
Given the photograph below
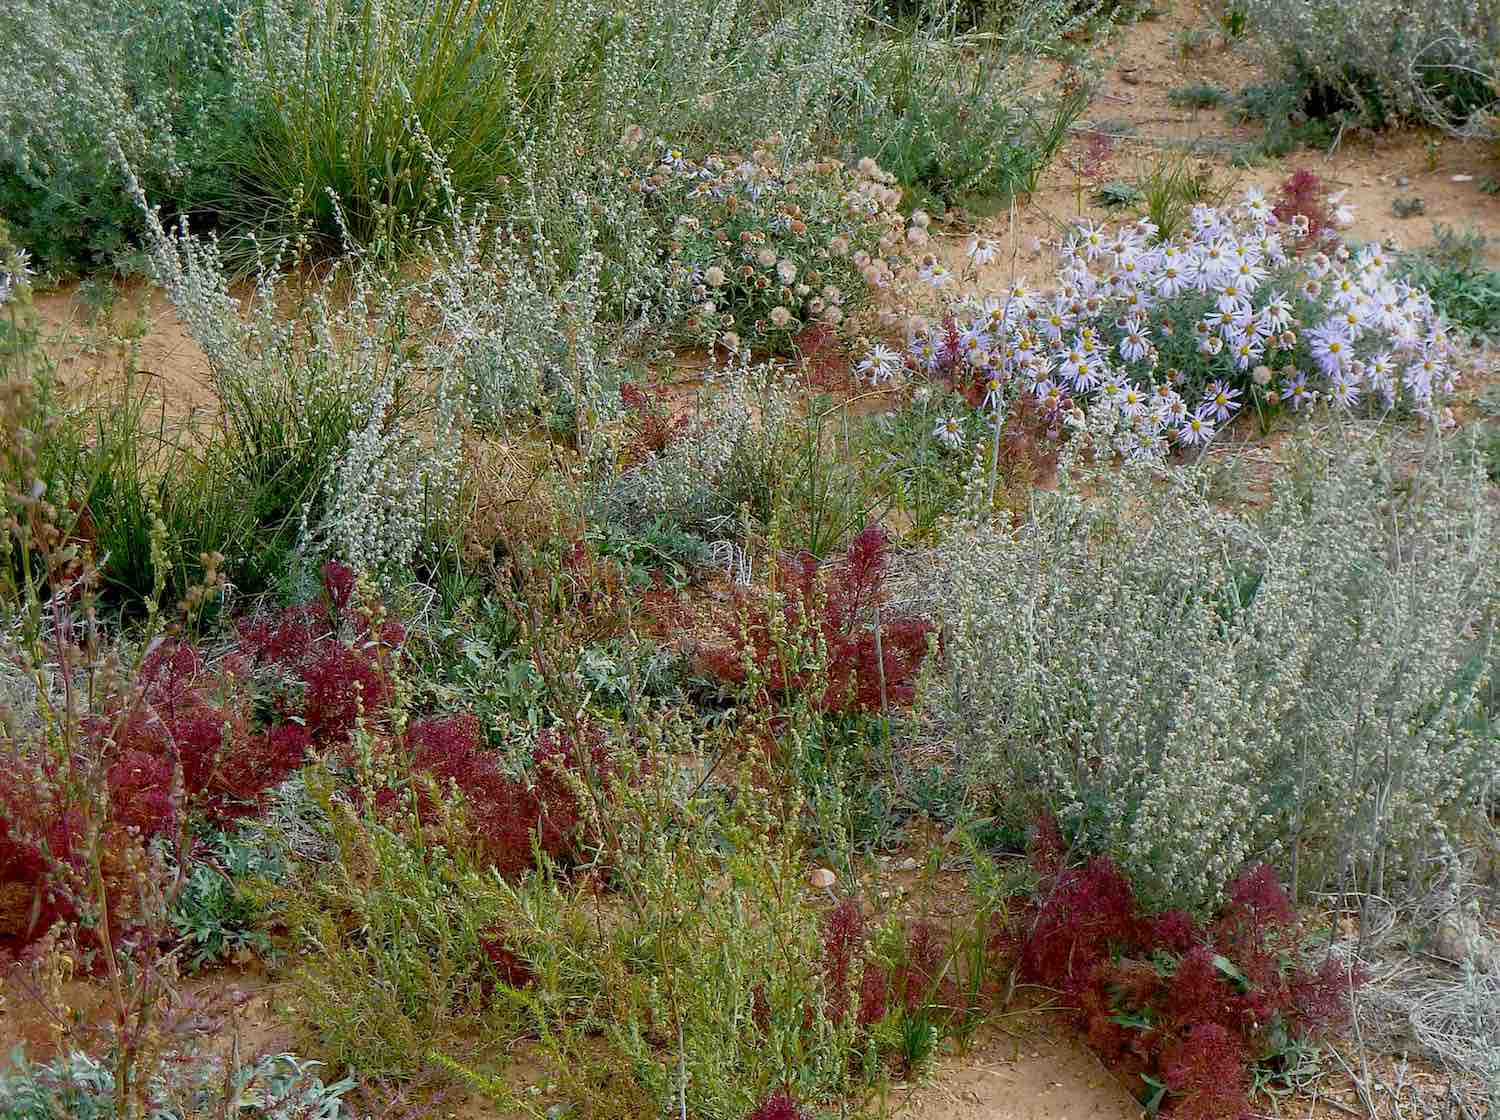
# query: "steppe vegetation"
x,y
694,595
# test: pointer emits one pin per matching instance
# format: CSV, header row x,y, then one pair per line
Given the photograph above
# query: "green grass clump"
x,y
1198,96
1454,272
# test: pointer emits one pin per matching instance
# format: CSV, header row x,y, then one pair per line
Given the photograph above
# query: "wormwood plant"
x,y
152,79
76,1087
1380,62
1188,689
332,436
727,454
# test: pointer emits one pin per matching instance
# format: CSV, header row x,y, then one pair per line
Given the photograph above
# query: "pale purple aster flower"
x,y
1196,430
949,431
1220,400
880,364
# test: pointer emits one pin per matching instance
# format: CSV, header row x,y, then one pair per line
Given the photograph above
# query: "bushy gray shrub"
x,y
79,76
1188,688
1388,59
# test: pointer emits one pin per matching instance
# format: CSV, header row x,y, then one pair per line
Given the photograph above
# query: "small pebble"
x,y
1463,178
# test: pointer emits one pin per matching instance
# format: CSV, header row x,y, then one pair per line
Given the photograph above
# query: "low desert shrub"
x,y
79,77
913,451
1452,270
392,937
1379,62
332,437
727,454
1190,689
953,120
797,1002
77,1087
1193,1014
760,248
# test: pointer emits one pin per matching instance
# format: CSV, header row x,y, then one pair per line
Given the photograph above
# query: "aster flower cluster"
x,y
1176,335
764,246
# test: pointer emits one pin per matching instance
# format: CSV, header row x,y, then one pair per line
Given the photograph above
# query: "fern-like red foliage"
x,y
836,602
1166,1000
1305,194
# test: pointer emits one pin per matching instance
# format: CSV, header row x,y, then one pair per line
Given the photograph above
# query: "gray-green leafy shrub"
x,y
1452,270
730,453
1382,60
332,428
220,910
75,77
1188,689
76,1087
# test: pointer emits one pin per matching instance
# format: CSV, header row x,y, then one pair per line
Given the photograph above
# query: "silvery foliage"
x,y
520,309
728,70
82,78
1404,53
343,353
727,455
1190,688
71,74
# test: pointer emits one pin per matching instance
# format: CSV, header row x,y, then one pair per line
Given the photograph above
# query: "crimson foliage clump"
x,y
836,603
1187,1010
1304,194
505,812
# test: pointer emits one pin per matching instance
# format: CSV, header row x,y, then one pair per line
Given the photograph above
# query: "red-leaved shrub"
x,y
1166,1000
778,1106
649,418
835,601
505,813
1305,194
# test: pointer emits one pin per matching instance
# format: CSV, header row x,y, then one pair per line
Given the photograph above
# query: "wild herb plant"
x,y
1453,272
81,77
1378,62
1189,689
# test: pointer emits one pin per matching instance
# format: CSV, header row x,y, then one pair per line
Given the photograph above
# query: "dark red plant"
x,y
843,945
836,602
1205,1072
649,416
1166,1000
509,968
778,1106
507,814
1304,193
825,357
